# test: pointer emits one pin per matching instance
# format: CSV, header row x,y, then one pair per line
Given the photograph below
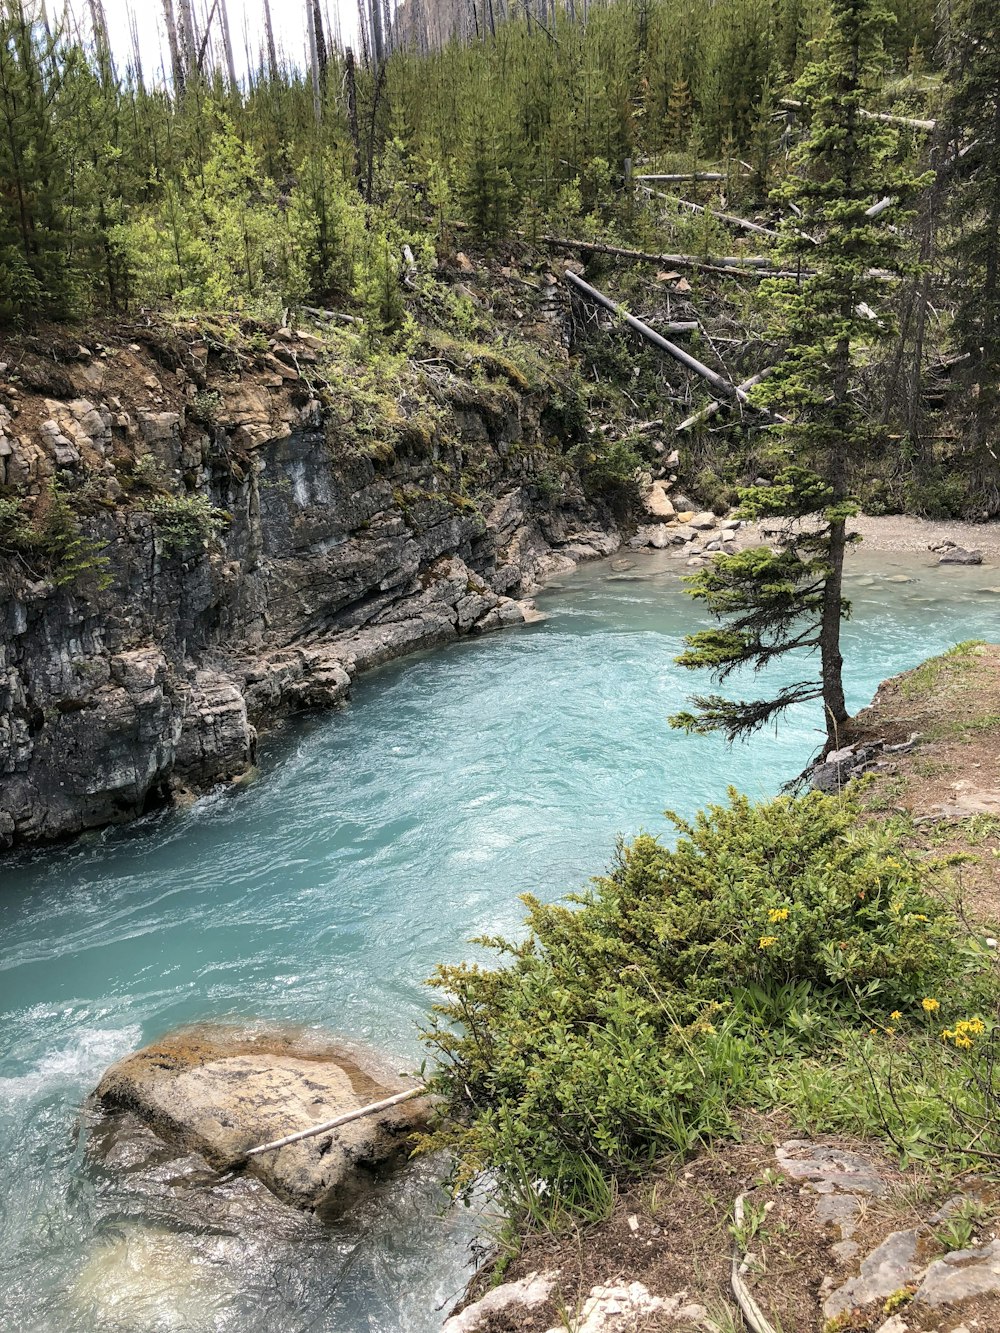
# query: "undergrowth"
x,y
783,955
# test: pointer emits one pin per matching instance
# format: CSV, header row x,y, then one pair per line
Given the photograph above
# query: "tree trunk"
x,y
173,42
314,63
188,38
227,43
352,111
322,56
834,703
378,45
272,54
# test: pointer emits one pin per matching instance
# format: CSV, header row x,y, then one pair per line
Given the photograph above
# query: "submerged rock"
x,y
218,1091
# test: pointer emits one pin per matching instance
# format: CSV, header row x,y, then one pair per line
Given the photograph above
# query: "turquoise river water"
x,y
375,843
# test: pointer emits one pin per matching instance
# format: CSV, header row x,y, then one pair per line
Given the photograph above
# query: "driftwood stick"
x,y
721,385
337,1121
710,409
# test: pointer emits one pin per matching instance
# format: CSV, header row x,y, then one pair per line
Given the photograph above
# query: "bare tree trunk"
x,y
136,49
352,111
173,41
272,54
378,45
314,63
333,27
186,33
387,26
227,43
365,34
322,56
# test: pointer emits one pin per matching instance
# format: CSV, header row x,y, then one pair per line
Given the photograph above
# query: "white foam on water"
x,y
73,1067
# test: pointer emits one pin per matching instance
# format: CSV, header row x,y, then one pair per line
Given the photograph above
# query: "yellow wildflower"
x,y
929,1004
777,914
891,1031
766,941
895,1015
963,1041
917,916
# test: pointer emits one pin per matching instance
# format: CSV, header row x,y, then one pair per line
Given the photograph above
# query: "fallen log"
x,y
749,265
720,384
887,118
746,266
710,409
685,176
731,218
317,313
879,207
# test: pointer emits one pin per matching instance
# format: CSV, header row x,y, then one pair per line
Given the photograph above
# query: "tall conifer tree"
x,y
774,600
975,174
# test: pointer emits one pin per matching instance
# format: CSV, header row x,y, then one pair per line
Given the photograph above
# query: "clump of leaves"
x,y
183,520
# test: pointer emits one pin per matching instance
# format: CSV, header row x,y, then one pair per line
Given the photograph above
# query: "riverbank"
x,y
885,1223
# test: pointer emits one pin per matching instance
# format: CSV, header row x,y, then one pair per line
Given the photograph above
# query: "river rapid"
x,y
375,843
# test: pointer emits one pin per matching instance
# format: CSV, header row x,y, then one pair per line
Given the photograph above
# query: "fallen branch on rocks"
x,y
348,1116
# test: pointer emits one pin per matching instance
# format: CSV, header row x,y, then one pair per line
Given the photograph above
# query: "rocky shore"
x,y
241,535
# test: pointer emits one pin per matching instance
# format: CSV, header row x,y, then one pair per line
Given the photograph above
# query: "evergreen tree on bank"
x,y
774,600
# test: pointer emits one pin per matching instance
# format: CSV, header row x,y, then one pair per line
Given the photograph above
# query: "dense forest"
x,y
813,185
342,185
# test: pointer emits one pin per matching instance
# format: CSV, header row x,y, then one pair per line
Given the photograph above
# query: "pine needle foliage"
x,y
790,598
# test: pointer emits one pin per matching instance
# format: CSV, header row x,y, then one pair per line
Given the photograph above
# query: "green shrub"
x,y
626,1024
182,520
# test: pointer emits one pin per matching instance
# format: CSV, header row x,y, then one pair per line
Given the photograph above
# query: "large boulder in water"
x,y
218,1091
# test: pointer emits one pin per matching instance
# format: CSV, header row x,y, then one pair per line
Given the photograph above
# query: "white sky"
x,y
246,25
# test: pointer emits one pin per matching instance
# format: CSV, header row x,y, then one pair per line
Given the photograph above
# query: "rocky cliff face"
x,y
197,537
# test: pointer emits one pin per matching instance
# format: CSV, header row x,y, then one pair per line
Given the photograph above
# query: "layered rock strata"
x,y
238,547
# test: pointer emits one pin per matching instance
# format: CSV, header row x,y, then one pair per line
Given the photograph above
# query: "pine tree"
x,y
975,173
35,274
773,601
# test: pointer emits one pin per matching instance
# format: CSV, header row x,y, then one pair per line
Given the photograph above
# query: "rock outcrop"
x,y
217,1092
219,542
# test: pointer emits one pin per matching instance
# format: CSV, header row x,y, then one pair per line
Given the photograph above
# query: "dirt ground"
x,y
949,784
674,1234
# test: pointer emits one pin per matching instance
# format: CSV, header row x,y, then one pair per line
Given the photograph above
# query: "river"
x,y
375,843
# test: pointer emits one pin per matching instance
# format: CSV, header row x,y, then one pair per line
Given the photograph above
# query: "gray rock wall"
x,y
332,559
